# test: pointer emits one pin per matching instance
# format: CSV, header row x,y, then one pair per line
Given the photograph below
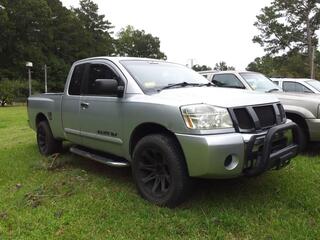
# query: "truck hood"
x,y
222,97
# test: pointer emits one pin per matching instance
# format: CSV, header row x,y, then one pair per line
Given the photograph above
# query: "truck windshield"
x,y
259,82
315,84
155,75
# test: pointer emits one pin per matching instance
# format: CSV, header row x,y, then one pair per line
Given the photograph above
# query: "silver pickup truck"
x,y
301,108
166,121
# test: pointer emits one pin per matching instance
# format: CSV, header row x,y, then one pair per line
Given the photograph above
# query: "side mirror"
x,y
108,87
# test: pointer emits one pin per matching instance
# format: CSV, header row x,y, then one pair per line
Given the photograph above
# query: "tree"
x,y
96,29
4,23
222,66
9,90
292,64
26,34
138,43
70,43
4,34
289,26
199,68
46,32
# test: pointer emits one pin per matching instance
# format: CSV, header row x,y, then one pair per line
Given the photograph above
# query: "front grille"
x,y
255,118
244,119
266,115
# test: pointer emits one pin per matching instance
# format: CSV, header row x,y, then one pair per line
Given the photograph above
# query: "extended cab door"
x,y
101,117
70,108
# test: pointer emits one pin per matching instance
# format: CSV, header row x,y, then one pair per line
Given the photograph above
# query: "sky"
x,y
207,31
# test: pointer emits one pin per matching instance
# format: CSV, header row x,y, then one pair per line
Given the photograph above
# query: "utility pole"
x,y
30,85
45,79
191,62
29,65
313,52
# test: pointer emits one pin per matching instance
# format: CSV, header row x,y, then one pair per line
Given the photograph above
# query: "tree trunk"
x,y
310,49
313,72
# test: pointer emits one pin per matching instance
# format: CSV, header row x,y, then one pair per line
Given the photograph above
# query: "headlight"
x,y
206,117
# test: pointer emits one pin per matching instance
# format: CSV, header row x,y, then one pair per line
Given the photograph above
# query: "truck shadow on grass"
x,y
96,168
270,188
239,190
235,189
313,149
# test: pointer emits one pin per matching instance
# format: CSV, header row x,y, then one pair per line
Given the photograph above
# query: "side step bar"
x,y
99,158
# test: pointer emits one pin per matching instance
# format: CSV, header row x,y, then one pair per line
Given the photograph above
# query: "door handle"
x,y
84,105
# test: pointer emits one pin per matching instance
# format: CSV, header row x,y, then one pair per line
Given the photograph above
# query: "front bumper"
x,y
236,154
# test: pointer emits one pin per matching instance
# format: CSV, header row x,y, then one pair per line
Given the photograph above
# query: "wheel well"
x,y
147,129
300,121
40,117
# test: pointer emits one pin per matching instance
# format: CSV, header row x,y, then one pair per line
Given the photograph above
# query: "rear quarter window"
x,y
76,80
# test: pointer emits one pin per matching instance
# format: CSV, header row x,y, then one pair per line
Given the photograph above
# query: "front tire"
x,y
303,139
159,170
47,144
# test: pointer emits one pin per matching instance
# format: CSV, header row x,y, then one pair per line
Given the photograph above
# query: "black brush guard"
x,y
270,157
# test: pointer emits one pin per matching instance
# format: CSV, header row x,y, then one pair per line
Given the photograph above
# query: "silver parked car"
x,y
303,109
298,85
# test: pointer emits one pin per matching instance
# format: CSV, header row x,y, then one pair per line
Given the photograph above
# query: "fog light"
x,y
231,162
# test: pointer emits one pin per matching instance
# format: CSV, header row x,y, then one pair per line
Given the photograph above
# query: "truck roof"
x,y
227,71
117,59
292,79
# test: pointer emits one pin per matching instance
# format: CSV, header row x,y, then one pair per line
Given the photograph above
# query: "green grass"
x,y
75,198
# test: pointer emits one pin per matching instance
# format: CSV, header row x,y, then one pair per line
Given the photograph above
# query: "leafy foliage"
x,y
95,29
290,26
45,32
26,32
199,68
286,25
10,90
138,43
222,66
292,64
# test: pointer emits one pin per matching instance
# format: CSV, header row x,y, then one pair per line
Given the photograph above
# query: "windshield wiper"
x,y
181,84
238,87
209,84
272,90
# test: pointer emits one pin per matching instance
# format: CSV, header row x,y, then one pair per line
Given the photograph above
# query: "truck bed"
x,y
48,104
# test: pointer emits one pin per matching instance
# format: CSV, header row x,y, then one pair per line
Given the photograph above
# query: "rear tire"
x,y
159,171
47,144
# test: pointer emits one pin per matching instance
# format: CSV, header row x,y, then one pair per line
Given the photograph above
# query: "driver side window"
x,y
95,72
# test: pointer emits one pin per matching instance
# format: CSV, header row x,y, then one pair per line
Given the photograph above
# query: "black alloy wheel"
x,y
47,144
42,139
160,171
153,170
